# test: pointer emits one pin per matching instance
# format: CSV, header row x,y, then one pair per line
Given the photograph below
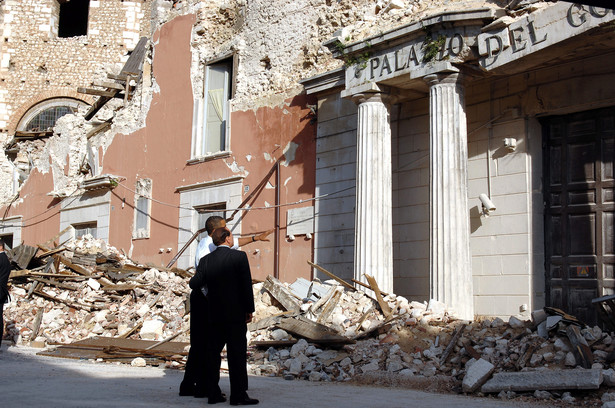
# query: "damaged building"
x,y
454,150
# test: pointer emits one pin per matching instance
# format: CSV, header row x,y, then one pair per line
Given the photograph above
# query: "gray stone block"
x,y
476,375
577,379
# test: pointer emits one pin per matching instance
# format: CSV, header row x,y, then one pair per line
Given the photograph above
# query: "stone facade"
x,y
36,64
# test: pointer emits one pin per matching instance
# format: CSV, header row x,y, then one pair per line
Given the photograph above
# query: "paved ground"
x,y
27,380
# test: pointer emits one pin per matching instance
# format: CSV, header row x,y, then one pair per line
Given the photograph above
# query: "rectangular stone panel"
x,y
577,379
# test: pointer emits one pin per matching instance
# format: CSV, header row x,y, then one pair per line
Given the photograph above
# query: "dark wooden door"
x,y
579,208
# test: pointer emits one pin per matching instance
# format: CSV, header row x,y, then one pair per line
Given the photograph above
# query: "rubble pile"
x,y
422,343
317,331
88,288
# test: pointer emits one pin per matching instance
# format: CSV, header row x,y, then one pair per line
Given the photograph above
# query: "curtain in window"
x,y
216,96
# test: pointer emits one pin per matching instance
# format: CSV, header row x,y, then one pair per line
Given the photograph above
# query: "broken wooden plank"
x,y
53,283
22,255
583,352
469,349
363,317
121,287
331,304
37,323
384,306
107,84
452,343
332,276
281,293
366,286
44,245
314,332
66,302
49,253
323,300
79,269
98,92
272,343
269,321
168,339
130,331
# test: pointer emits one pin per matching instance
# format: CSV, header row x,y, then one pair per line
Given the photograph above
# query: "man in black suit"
x,y
5,271
226,274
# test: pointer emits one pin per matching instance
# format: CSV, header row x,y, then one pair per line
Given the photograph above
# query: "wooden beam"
x,y
452,343
77,268
98,92
366,286
384,306
281,293
332,276
328,309
312,331
107,84
97,129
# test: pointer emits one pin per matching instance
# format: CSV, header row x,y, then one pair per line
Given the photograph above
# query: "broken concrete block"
x,y
279,334
609,377
539,316
579,379
568,398
610,404
552,322
538,394
151,330
298,348
608,397
571,360
561,345
477,374
373,366
138,362
93,283
515,323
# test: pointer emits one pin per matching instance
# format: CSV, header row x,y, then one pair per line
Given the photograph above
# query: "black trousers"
x,y
2,300
197,356
234,336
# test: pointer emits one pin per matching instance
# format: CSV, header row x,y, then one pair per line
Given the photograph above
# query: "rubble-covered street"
x,y
55,383
88,301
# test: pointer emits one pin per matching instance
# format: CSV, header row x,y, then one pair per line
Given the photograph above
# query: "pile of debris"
x,y
86,295
326,331
87,288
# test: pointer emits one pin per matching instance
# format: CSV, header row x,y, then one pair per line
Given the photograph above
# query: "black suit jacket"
x,y
5,271
226,274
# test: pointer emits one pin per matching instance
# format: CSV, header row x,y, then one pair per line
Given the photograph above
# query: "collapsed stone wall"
x,y
275,44
35,65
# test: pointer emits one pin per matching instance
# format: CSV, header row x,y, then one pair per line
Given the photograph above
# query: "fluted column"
x,y
373,249
450,262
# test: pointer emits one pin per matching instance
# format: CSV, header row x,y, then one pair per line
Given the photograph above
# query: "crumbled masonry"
x,y
357,343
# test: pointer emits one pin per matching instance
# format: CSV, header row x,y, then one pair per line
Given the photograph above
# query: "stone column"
x,y
450,262
373,245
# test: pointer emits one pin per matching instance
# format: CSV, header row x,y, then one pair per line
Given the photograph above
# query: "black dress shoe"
x,y
216,399
198,393
244,400
186,389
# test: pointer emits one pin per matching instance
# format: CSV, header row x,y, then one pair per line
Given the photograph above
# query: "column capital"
x,y
445,77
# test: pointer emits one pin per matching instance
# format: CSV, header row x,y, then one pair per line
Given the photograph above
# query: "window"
x,y
211,130
46,120
8,240
206,211
73,18
44,115
85,229
143,206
